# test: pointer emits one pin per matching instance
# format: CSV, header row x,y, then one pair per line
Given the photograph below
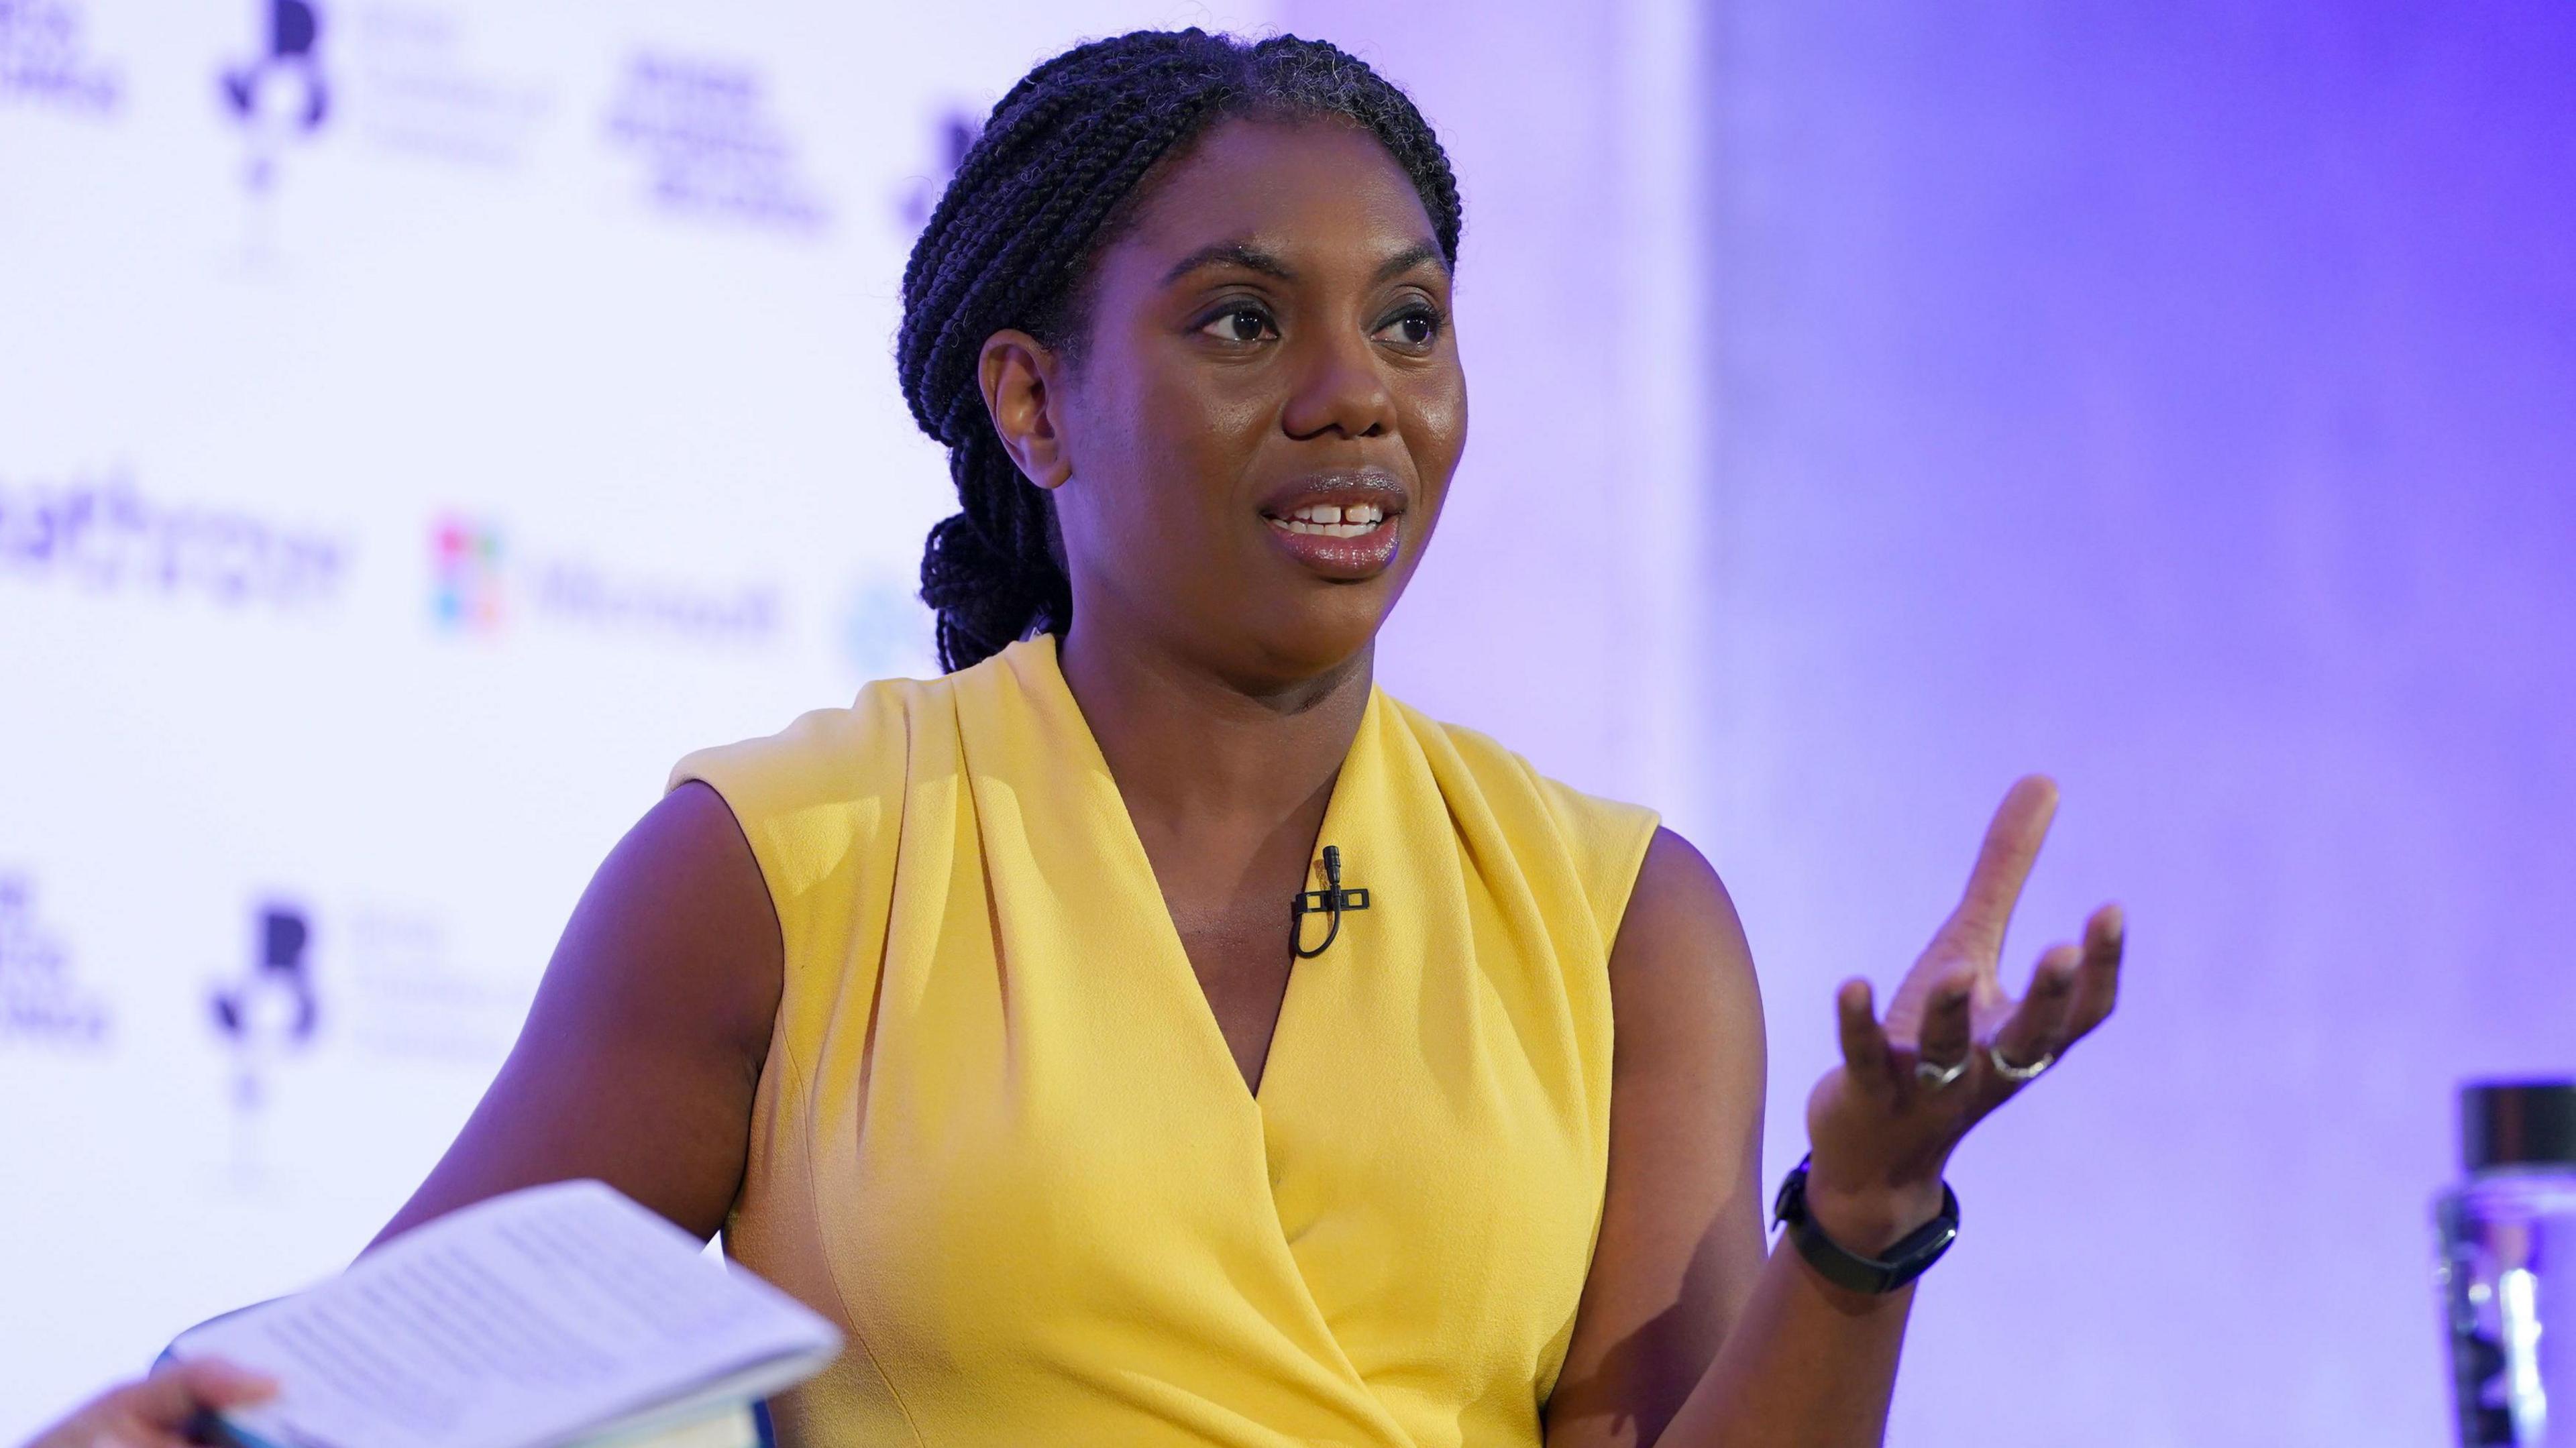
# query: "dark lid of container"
x,y
2517,1123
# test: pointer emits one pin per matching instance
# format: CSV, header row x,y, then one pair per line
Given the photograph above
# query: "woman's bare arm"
x,y
1688,1336
1681,1232
639,1058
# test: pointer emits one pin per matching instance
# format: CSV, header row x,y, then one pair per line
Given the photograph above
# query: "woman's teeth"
x,y
1328,521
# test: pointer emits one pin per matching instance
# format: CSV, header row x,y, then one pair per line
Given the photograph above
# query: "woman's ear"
x,y
1018,373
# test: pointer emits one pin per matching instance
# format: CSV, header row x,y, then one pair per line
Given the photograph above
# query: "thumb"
x,y
178,1391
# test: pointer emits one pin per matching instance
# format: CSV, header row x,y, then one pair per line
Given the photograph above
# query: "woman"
x,y
972,1013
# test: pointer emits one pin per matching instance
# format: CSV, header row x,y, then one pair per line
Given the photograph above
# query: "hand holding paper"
x,y
550,1316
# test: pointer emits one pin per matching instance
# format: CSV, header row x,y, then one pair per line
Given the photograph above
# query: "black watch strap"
x,y
1904,1262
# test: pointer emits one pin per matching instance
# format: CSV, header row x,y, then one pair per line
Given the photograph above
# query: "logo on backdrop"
x,y
265,1014
407,995
479,585
271,1007
465,575
103,534
41,997
710,145
280,95
953,133
404,75
418,88
394,991
45,60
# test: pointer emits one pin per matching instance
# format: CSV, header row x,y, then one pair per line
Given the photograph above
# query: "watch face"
x,y
1912,1256
1924,1245
1905,1261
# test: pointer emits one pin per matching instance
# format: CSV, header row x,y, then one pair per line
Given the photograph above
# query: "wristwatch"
x,y
1907,1260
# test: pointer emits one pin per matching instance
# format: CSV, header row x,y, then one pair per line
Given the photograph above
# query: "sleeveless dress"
x,y
1001,1141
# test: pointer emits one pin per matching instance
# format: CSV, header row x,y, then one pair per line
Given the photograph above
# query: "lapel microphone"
x,y
1331,901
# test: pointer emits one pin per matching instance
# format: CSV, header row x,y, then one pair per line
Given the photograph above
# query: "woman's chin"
x,y
1326,631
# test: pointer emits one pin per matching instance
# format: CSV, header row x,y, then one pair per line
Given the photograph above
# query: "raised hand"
x,y
1954,1045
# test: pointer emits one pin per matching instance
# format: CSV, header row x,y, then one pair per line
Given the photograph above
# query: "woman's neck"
x,y
1196,753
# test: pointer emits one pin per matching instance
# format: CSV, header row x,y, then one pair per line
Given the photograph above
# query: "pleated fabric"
x,y
1001,1141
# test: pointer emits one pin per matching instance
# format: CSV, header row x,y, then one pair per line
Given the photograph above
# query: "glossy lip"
x,y
1347,560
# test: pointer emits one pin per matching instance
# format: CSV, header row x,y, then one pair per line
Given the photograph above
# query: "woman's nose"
x,y
1340,390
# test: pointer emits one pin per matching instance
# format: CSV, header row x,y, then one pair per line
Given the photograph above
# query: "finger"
x,y
1946,1027
128,1434
219,1383
113,1423
83,1433
178,1391
2097,978
2037,1029
2003,865
1865,1055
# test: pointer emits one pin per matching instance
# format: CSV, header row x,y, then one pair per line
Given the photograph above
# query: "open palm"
x,y
1954,1045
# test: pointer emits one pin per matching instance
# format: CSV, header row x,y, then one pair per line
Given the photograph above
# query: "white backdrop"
x,y
390,490
420,426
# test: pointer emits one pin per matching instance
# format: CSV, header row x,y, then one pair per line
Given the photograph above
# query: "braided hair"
x,y
1010,245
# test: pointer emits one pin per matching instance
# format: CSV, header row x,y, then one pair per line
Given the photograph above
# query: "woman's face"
x,y
1252,445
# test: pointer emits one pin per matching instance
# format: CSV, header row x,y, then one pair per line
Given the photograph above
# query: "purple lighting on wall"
x,y
2181,400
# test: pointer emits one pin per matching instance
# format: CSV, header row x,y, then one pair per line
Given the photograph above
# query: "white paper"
x,y
525,1321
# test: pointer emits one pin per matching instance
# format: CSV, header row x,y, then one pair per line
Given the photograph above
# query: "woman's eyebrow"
x,y
1231,253
1409,258
1254,258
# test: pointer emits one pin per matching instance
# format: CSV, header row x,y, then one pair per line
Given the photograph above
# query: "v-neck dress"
x,y
1001,1141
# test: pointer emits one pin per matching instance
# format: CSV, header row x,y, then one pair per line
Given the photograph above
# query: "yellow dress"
x,y
1000,1139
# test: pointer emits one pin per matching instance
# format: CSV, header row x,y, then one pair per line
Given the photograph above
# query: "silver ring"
x,y
2011,1072
1939,1076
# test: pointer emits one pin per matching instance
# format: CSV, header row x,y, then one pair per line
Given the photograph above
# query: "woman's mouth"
x,y
1328,520
1343,526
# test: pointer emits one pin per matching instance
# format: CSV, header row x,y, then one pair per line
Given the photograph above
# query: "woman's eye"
x,y
1239,324
1413,329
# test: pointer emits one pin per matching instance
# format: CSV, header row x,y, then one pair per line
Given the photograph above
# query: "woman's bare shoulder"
x,y
644,1046
1681,1238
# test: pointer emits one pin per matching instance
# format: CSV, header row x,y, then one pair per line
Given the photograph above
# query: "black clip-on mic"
x,y
1332,900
